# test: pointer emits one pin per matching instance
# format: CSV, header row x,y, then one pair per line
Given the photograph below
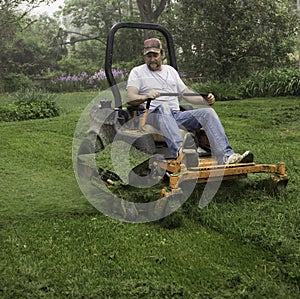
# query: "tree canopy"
x,y
215,39
231,38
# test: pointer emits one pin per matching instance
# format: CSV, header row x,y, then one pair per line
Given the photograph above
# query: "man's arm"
x,y
209,100
134,98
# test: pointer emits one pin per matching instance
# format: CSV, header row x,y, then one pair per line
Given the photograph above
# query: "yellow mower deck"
x,y
209,170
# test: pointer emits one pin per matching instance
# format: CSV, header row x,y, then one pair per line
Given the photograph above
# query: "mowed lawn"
x,y
54,244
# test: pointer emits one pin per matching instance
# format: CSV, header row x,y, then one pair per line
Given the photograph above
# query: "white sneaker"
x,y
246,157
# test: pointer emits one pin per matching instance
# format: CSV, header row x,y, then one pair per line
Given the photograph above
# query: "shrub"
x,y
273,83
222,91
13,82
8,113
84,81
2,86
30,104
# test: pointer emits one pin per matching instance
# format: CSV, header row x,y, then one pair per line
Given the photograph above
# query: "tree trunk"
x,y
147,14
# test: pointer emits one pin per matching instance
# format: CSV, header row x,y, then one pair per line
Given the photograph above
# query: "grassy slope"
x,y
244,244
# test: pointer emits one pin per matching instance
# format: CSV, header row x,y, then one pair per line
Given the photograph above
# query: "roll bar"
x,y
110,46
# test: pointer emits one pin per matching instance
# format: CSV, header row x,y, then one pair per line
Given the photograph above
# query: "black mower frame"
x,y
110,48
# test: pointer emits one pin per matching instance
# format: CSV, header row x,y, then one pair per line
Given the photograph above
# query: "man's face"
x,y
154,61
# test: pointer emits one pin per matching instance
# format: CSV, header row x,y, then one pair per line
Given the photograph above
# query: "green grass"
x,y
54,244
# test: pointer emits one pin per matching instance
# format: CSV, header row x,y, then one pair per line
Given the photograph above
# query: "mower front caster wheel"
x,y
277,185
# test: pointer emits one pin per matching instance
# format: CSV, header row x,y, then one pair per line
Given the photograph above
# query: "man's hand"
x,y
210,99
199,100
135,98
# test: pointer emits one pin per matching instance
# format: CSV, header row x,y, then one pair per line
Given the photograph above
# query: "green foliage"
x,y
231,39
82,81
97,17
13,82
27,46
222,91
215,40
82,57
274,82
30,104
37,49
9,27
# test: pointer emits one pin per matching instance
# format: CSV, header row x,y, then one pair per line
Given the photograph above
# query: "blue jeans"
x,y
168,122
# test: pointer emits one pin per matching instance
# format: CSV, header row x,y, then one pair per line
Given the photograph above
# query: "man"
x,y
153,78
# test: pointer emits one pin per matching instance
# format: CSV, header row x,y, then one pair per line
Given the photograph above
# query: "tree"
x,y
220,39
215,39
149,14
36,49
90,20
13,20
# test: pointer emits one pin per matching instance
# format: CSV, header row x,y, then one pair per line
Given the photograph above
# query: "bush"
x,y
30,104
268,83
84,81
2,86
13,82
222,91
272,83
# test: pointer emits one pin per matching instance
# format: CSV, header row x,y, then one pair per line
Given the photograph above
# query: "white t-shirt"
x,y
165,81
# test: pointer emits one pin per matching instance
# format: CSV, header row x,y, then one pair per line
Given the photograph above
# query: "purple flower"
x,y
85,80
90,81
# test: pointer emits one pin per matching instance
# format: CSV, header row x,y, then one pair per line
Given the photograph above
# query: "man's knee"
x,y
206,113
164,109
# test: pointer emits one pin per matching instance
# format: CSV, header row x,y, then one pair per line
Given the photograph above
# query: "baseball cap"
x,y
152,45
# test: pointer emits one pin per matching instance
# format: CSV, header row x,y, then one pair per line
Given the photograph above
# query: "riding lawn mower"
x,y
113,122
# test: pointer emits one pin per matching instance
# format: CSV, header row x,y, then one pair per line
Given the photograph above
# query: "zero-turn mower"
x,y
115,121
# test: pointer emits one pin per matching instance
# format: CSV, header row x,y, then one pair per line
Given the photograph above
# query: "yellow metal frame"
x,y
208,169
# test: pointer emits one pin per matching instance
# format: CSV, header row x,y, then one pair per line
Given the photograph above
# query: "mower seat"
x,y
135,111
156,134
